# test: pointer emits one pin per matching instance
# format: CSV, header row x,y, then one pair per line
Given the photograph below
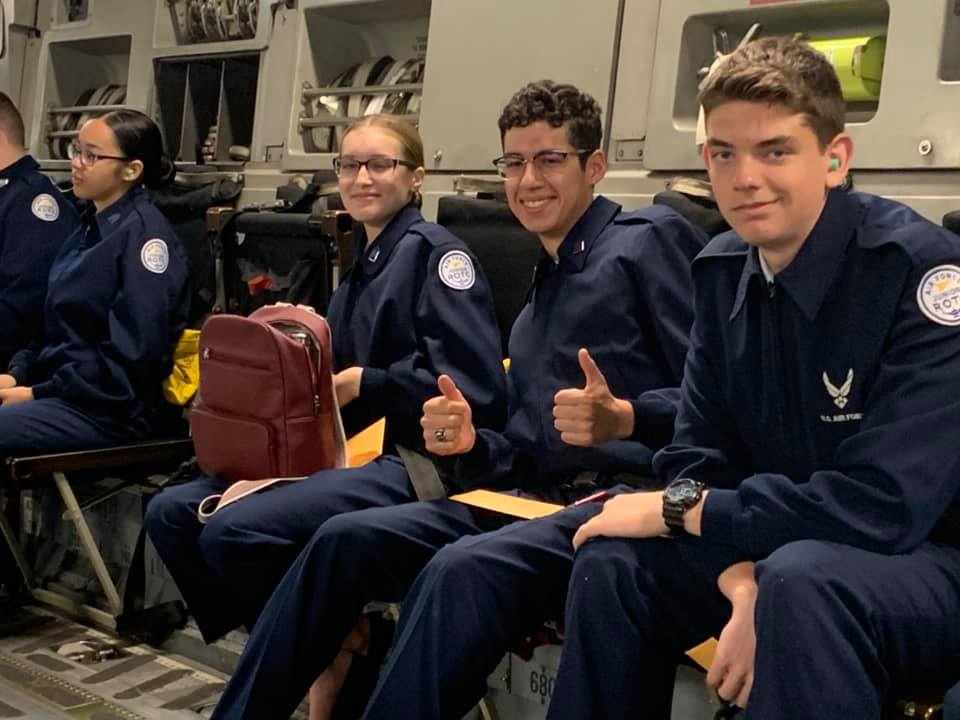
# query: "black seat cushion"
x,y
506,251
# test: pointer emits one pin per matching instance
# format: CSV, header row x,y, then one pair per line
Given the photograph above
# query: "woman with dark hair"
x,y
412,307
116,303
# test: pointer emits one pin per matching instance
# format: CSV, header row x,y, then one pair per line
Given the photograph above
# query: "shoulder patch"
x,y
155,256
45,207
456,270
938,295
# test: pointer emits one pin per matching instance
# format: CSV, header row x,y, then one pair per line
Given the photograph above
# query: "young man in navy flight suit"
x,y
596,358
813,474
35,219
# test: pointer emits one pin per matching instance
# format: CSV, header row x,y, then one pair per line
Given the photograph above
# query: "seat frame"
x,y
32,471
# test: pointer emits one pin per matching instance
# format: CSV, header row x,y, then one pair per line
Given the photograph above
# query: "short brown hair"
x,y
781,71
11,122
406,133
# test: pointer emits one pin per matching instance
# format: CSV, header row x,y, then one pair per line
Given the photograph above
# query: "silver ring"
x,y
440,434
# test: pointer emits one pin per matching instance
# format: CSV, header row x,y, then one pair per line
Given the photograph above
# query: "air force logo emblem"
x,y
938,295
456,270
45,208
155,256
839,394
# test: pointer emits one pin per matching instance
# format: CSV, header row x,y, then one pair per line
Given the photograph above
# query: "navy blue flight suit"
x,y
35,219
413,306
117,301
821,407
951,704
621,289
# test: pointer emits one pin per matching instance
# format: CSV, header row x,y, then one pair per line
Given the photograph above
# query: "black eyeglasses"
x,y
88,158
377,166
511,165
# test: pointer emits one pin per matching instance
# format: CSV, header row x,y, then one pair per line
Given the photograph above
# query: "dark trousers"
x,y
838,628
472,598
52,425
473,602
227,568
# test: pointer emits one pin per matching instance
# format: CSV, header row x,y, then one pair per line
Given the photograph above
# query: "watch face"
x,y
682,490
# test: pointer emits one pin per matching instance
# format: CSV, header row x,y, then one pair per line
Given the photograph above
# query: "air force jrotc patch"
x,y
456,270
155,256
938,295
45,207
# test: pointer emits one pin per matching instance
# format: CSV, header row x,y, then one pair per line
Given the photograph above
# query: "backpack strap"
x,y
240,489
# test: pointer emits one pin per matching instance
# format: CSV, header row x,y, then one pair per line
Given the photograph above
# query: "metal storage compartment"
x,y
84,73
353,58
210,26
888,131
205,105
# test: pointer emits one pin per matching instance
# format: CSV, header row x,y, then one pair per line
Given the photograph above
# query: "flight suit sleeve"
x,y
493,456
891,481
147,315
663,281
456,334
654,414
705,446
495,459
30,240
22,363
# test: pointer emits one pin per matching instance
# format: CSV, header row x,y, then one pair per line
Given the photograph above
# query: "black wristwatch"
x,y
678,497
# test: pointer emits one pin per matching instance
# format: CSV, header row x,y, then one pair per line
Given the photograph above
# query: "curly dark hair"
x,y
556,104
781,71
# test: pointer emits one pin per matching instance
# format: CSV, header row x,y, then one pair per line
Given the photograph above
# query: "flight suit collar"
x,y
108,219
573,251
371,259
813,271
21,167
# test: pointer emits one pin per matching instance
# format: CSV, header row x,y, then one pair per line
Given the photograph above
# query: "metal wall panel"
x,y
481,51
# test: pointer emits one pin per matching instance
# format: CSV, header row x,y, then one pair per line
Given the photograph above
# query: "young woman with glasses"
x,y
413,305
116,303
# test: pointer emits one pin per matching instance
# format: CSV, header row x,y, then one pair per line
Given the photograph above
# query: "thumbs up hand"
x,y
447,421
591,416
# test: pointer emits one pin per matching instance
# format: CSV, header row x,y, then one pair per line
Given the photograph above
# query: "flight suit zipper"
x,y
778,374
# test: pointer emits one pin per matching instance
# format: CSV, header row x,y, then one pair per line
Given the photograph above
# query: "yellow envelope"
x,y
367,444
507,504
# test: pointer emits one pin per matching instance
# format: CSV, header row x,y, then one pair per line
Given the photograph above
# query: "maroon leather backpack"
x,y
267,409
